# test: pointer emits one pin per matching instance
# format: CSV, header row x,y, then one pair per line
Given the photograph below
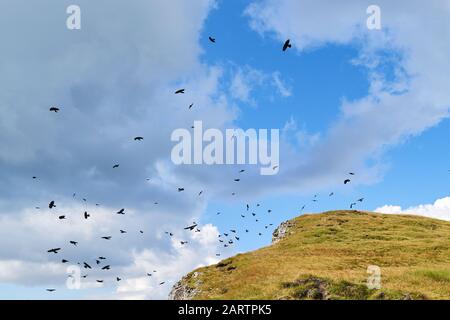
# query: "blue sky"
x,y
346,99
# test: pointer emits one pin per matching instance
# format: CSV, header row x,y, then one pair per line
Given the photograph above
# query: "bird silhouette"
x,y
54,250
54,109
346,181
115,166
213,40
86,215
179,91
138,138
73,242
51,205
121,211
287,45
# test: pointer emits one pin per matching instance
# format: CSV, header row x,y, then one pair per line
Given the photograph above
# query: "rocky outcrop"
x,y
182,290
282,231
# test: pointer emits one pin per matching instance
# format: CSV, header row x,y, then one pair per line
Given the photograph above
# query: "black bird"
x,y
138,138
242,171
62,217
99,281
86,266
118,279
192,227
346,181
287,45
351,173
180,189
115,166
149,274
179,91
213,40
331,194
108,267
122,231
183,242
248,207
86,215
237,180
102,258
54,109
107,238
361,200
352,204
191,105
200,193
121,211
73,242
161,283
34,177
64,261
50,290
51,205
55,250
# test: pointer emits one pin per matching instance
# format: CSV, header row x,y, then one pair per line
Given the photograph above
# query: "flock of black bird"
x,y
226,239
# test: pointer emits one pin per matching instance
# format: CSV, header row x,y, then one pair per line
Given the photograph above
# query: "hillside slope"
x,y
326,256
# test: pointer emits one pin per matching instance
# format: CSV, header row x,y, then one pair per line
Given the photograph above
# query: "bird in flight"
x,y
287,45
51,205
121,211
54,109
179,91
361,200
62,217
108,267
192,227
107,238
213,40
73,242
55,250
191,105
122,231
180,189
351,173
183,242
346,181
352,204
86,215
138,138
50,290
115,166
86,266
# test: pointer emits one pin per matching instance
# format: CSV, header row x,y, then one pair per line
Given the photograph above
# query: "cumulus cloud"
x,y
113,80
440,209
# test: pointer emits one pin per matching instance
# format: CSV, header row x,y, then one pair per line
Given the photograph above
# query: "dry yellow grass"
x,y
337,247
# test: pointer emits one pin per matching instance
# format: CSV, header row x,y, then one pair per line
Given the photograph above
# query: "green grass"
x,y
334,249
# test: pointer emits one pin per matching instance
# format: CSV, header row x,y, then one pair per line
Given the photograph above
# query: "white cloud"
x,y
440,209
403,101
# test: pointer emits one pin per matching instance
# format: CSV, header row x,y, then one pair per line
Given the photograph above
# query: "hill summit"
x,y
331,256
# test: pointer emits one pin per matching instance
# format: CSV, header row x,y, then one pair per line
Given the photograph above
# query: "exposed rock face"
x,y
281,232
182,291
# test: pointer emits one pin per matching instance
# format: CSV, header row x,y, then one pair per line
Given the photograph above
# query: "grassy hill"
x,y
325,256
